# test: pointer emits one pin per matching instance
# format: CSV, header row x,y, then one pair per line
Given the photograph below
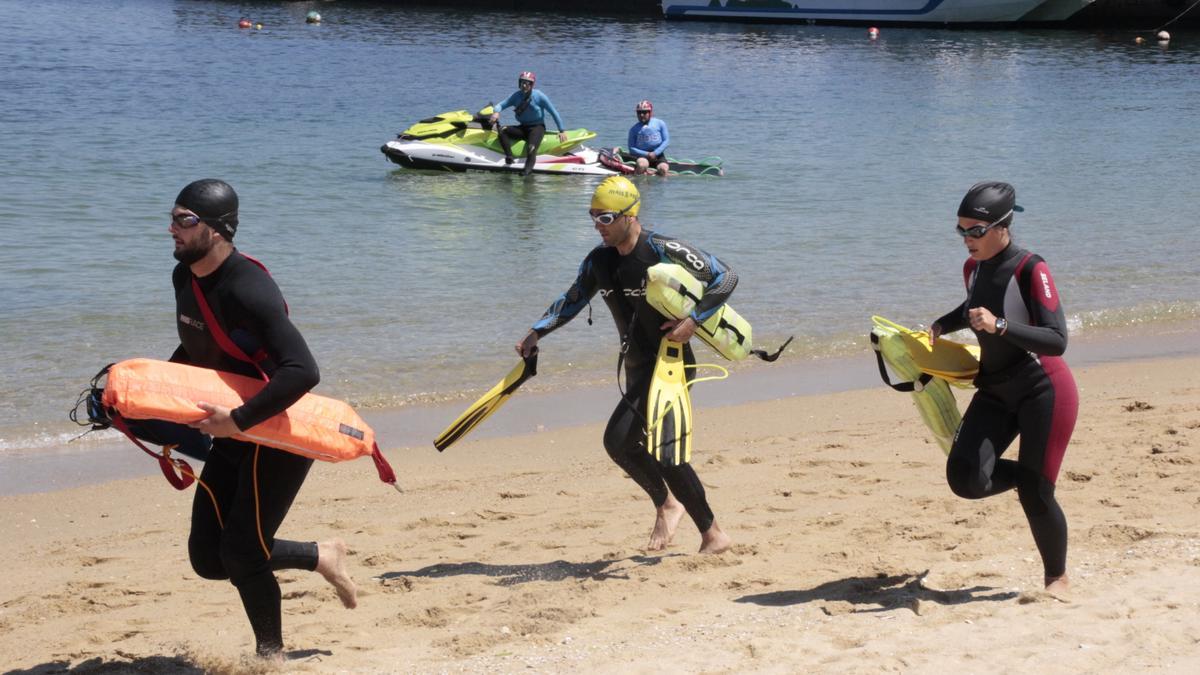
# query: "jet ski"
x,y
462,141
622,161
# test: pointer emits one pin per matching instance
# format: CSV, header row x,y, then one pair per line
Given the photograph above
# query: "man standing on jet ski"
x,y
531,106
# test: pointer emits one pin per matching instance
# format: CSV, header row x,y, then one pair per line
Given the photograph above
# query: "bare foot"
x,y
1059,587
331,564
665,523
266,655
714,540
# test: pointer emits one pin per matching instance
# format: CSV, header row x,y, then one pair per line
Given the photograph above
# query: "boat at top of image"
x,y
966,12
465,141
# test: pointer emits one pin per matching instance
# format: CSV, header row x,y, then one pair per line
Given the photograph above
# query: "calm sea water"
x,y
845,162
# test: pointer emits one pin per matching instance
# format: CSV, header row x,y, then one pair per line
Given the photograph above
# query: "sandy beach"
x,y
526,554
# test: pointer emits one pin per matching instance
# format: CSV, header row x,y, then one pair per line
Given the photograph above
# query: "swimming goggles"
x,y
185,221
978,231
608,217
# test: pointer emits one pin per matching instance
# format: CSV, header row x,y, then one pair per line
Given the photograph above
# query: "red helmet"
x,y
526,75
644,106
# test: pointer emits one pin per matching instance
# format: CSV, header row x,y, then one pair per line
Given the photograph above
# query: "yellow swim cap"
x,y
617,194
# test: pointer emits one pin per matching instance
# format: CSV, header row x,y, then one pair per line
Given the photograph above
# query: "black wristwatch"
x,y
1001,325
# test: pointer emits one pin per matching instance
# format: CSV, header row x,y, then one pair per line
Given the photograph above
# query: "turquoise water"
x,y
845,161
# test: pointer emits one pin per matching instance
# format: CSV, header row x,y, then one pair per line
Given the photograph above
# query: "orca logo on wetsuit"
x,y
692,258
627,292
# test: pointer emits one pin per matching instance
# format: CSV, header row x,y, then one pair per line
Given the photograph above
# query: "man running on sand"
x,y
247,488
617,270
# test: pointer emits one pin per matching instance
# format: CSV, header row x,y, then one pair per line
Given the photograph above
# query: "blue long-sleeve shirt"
x,y
649,137
532,111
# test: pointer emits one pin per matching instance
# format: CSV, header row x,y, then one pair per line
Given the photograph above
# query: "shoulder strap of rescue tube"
x,y
226,344
916,385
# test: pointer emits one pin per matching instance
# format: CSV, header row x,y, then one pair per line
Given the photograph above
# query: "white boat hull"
x,y
858,11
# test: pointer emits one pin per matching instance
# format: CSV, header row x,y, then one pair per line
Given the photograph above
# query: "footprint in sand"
x,y
488,514
1030,597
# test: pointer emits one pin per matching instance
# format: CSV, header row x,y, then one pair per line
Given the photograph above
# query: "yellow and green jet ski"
x,y
465,141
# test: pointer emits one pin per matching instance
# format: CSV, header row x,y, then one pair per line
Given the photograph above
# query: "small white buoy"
x,y
313,17
1163,36
1138,40
872,32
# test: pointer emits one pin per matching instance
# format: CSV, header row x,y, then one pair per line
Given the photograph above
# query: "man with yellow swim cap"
x,y
616,269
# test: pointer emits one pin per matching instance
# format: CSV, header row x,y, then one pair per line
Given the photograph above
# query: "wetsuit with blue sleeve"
x,y
649,137
252,486
1024,388
531,119
621,282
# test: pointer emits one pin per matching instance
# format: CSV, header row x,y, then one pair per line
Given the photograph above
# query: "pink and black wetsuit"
x,y
1025,388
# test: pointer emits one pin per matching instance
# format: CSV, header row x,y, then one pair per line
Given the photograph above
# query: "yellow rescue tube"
x,y
675,293
315,426
901,348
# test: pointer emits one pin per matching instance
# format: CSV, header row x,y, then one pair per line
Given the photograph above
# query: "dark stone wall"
x,y
1136,14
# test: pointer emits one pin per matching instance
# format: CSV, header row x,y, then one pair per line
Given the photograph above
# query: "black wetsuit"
x,y
532,134
1024,387
233,529
621,281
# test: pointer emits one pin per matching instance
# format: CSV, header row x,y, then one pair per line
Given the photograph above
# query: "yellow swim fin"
x,y
894,346
669,408
488,403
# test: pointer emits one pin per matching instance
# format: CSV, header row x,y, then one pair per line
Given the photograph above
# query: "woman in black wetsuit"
x,y
1024,386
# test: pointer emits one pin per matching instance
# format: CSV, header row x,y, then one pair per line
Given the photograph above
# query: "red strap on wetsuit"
x,y
263,267
226,344
169,465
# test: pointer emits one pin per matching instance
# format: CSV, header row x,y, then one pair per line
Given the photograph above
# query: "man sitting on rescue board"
x,y
228,307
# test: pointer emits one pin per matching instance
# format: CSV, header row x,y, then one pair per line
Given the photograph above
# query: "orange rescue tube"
x,y
315,426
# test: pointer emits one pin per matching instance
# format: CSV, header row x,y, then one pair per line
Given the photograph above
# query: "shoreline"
x,y
526,552
410,429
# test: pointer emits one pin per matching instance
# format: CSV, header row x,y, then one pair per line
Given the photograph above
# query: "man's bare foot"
x,y
272,655
1059,587
331,564
714,540
665,523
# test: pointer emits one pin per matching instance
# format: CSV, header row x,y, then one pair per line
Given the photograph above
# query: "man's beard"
x,y
192,254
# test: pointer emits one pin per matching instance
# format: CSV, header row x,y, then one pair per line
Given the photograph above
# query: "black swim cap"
x,y
991,201
215,202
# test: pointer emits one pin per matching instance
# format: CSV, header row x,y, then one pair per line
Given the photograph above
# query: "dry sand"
x,y
525,554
